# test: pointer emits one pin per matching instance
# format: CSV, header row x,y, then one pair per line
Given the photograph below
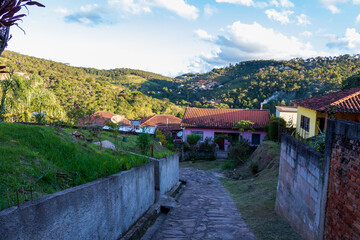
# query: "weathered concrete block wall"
x,y
103,209
301,188
166,173
343,204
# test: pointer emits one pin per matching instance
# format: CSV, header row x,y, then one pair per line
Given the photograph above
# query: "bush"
x,y
192,139
208,145
238,153
170,146
161,137
273,129
143,142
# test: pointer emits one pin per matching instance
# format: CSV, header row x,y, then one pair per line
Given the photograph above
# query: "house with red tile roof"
x,y
211,123
102,117
313,112
167,124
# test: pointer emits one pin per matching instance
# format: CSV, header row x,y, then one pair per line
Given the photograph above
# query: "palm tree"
x,y
10,84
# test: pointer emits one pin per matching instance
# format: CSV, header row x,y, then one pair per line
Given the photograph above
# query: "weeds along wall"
x,y
102,209
301,188
343,204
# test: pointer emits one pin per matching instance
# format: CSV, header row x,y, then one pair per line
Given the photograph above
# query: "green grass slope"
x,y
49,160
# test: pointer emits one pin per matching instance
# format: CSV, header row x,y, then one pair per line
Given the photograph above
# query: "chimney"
x,y
261,106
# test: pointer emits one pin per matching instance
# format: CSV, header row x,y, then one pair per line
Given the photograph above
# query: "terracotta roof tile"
x,y
344,101
223,118
163,122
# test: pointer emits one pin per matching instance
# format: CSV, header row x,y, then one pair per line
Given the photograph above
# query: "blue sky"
x,y
172,37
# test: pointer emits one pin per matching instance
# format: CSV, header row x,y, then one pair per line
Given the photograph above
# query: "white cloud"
x,y
306,34
331,5
180,7
358,19
260,4
130,6
351,41
356,2
241,2
302,19
202,34
252,41
282,17
286,4
209,10
63,11
274,3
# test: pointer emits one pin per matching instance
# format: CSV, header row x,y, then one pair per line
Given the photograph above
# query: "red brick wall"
x,y
343,203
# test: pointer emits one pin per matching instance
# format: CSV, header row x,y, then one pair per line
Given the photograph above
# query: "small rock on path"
x,y
204,211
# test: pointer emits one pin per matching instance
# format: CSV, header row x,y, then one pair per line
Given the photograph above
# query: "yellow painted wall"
x,y
312,114
348,116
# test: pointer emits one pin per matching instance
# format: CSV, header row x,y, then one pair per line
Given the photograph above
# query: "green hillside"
x,y
247,84
136,93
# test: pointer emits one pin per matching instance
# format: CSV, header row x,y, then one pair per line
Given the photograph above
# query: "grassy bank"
x,y
130,145
47,160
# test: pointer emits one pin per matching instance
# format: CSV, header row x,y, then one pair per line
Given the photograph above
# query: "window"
x,y
305,123
255,139
201,134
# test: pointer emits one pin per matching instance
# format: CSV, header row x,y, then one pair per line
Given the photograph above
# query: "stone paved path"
x,y
204,211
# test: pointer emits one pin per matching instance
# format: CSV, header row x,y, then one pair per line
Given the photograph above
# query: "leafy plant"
x,y
238,153
192,139
7,85
96,132
274,128
244,125
9,17
144,142
162,137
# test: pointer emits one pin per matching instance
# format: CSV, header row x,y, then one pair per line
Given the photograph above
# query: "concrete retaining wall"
x,y
103,209
301,188
166,173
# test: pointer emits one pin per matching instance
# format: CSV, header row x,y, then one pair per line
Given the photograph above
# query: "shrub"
x,y
208,145
273,129
144,143
162,138
170,146
238,153
192,139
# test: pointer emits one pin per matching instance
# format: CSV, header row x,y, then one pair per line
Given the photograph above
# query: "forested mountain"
x,y
247,84
136,93
111,90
